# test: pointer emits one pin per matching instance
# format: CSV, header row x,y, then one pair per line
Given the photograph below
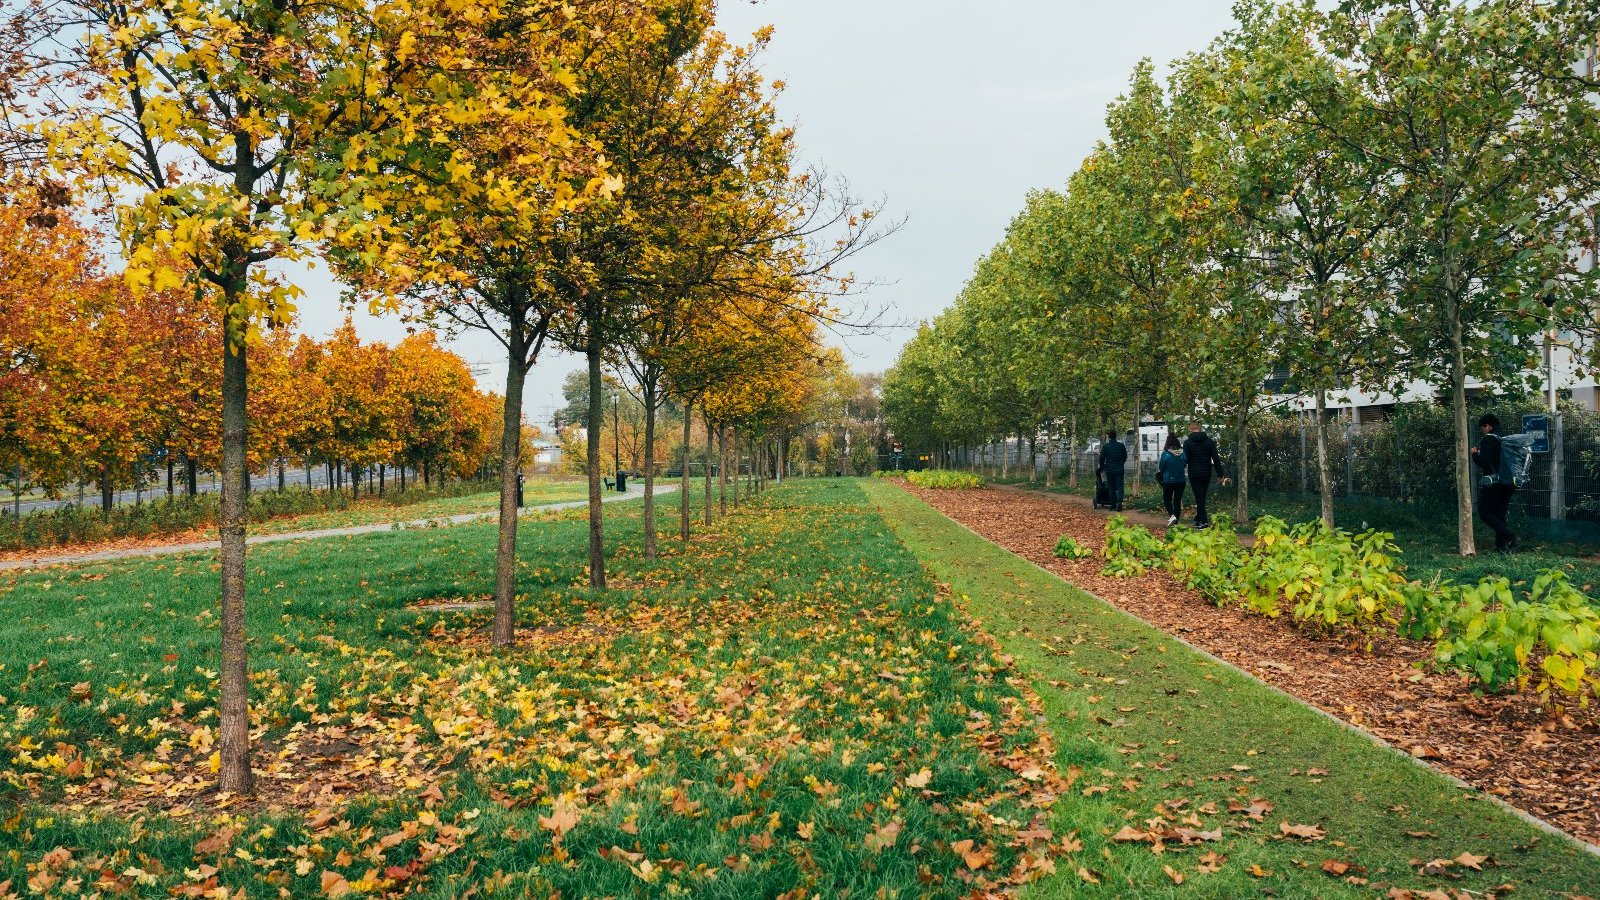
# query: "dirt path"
x,y
66,559
1505,745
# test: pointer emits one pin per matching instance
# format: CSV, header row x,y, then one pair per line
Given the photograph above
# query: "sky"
x,y
948,112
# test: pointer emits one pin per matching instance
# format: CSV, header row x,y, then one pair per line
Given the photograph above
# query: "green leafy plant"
x,y
1553,636
1206,560
1130,549
1332,579
943,479
1068,548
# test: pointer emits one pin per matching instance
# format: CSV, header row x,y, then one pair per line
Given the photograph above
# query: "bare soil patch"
x,y
1505,745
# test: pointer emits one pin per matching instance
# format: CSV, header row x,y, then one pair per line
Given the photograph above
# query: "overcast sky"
x,y
950,111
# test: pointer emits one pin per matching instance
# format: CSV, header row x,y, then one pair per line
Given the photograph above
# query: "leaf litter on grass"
x,y
792,709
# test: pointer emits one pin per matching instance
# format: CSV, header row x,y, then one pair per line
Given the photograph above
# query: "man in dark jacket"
x,y
1200,454
1494,498
1113,462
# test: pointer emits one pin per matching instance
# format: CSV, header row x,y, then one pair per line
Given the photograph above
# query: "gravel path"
x,y
67,559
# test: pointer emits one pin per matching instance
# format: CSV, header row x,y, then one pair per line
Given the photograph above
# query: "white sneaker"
x,y
1171,521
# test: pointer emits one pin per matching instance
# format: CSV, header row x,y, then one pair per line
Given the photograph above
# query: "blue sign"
x,y
1538,428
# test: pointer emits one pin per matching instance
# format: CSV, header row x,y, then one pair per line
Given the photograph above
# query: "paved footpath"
x,y
67,559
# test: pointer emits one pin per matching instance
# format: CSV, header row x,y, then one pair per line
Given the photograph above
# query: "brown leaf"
x,y
1088,875
218,842
975,857
919,779
1335,868
334,884
1129,833
1211,861
1256,870
562,819
1303,832
1174,874
884,836
1475,863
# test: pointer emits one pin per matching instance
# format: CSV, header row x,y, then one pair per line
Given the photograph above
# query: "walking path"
x,y
1153,521
66,559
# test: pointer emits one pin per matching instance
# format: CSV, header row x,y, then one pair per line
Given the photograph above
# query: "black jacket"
x,y
1488,455
1113,456
1200,453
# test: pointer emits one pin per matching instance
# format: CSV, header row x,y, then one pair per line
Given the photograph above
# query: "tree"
x,y
224,129
1470,106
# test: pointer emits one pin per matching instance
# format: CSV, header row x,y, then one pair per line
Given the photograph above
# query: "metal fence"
x,y
1407,458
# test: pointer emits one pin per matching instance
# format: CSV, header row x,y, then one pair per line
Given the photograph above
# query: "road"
x,y
93,556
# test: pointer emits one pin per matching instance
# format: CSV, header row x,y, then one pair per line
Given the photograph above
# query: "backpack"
x,y
1516,455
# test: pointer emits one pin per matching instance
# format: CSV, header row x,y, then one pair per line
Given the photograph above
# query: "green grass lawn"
x,y
1161,733
785,705
1428,538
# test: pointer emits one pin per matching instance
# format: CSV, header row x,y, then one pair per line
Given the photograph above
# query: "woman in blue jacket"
x,y
1174,472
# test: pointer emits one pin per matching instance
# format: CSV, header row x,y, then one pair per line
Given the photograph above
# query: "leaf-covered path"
x,y
1505,745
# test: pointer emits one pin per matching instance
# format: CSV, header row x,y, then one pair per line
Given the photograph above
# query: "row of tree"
x,y
604,176
110,384
1360,196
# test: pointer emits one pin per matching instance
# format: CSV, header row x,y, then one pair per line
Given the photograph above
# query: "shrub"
x,y
1067,548
944,478
1130,549
1333,578
888,473
1487,631
1206,560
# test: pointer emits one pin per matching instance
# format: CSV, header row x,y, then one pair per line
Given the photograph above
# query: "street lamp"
x,y
616,441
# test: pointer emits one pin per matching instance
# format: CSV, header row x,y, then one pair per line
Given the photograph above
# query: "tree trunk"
x,y
282,477
402,472
733,456
722,469
191,475
169,476
108,495
233,744
1467,541
650,402
1033,457
709,443
383,474
597,547
504,631
1241,439
1324,467
1072,454
1134,450
683,477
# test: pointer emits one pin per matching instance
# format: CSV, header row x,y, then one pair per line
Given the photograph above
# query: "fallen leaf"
x,y
1174,874
1304,832
919,779
334,884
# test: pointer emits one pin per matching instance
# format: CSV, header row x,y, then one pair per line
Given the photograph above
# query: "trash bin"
x,y
622,482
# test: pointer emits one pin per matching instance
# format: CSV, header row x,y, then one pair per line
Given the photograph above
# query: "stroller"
x,y
1102,494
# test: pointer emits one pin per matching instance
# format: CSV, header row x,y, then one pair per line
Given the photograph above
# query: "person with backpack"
x,y
1172,471
1499,479
1201,459
1113,462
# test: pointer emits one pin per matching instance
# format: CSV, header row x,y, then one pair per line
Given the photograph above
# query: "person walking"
x,y
1200,457
1113,462
1173,473
1494,498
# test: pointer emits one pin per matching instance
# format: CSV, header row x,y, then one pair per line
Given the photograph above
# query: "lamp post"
x,y
616,441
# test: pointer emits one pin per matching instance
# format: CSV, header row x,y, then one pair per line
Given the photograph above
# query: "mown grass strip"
x,y
1166,731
